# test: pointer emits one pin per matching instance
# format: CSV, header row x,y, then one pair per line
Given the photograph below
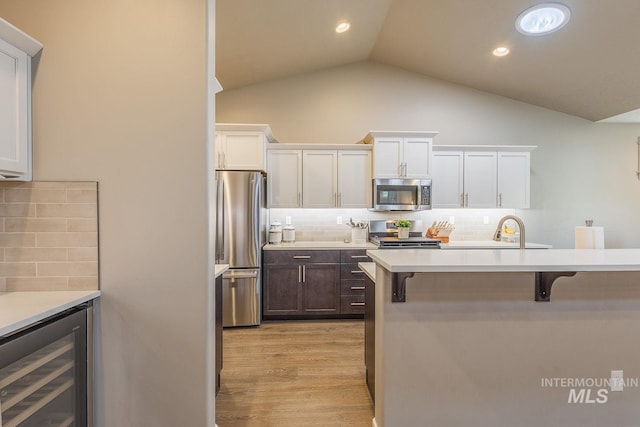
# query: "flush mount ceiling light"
x,y
543,18
501,51
342,27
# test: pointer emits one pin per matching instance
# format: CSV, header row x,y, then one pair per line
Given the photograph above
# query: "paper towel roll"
x,y
589,237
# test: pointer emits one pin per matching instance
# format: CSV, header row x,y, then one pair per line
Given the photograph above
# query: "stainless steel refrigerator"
x,y
240,235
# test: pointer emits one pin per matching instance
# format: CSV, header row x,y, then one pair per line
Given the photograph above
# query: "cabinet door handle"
x,y
466,200
304,274
500,200
357,304
462,200
357,288
339,199
298,200
335,200
301,256
405,169
224,160
299,274
357,272
359,256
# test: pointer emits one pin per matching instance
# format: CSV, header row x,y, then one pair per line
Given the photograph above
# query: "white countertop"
x,y
505,260
490,244
310,245
20,309
221,268
369,269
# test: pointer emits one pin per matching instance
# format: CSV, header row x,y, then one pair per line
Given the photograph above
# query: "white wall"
x,y
580,170
120,98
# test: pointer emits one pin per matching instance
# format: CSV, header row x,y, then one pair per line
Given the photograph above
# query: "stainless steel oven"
x,y
401,194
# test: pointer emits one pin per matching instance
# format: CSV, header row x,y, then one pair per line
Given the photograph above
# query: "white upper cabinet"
x,y
400,154
480,179
284,179
241,146
447,179
417,157
16,51
388,158
514,179
481,176
318,178
354,179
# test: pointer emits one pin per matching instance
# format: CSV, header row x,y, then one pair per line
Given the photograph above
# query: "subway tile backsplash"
x,y
48,236
321,224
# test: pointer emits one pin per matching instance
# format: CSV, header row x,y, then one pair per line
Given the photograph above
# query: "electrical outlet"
x,y
287,220
452,220
339,220
485,220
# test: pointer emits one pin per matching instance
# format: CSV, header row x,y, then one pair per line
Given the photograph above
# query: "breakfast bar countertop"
x,y
506,260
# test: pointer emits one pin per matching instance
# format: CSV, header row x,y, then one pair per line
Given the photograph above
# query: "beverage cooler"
x,y
43,372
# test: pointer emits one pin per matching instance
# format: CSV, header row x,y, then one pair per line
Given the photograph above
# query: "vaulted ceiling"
x,y
590,68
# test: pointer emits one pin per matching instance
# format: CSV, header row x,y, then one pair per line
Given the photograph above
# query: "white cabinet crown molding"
x,y
295,146
248,127
19,39
520,148
397,133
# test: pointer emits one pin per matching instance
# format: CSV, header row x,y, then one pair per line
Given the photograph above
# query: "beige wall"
x,y
580,170
120,98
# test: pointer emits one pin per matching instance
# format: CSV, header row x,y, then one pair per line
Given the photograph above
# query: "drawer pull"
x,y
301,256
359,256
357,272
357,304
357,288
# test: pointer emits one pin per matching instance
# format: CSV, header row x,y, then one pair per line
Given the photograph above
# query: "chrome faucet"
x,y
498,233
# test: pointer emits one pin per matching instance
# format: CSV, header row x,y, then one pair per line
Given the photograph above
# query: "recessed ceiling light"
x,y
342,27
501,51
543,18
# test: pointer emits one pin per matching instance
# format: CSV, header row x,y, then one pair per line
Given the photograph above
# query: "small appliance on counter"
x,y
288,234
384,234
275,233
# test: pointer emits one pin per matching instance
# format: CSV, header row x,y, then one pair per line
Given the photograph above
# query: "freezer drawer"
x,y
241,297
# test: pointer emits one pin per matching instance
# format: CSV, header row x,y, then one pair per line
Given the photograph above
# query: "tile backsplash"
x,y
321,224
48,236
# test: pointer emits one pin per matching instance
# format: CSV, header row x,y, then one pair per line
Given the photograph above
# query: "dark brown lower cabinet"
x,y
301,284
218,330
352,281
370,335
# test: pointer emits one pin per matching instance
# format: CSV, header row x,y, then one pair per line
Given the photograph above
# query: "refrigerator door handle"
x,y
240,274
255,191
220,222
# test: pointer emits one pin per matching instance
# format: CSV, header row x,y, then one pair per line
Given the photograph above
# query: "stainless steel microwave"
x,y
401,194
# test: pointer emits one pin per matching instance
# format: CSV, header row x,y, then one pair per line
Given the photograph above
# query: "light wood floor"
x,y
300,373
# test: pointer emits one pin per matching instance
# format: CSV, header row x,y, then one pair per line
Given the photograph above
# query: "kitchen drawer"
x,y
354,256
300,257
352,304
352,287
351,272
